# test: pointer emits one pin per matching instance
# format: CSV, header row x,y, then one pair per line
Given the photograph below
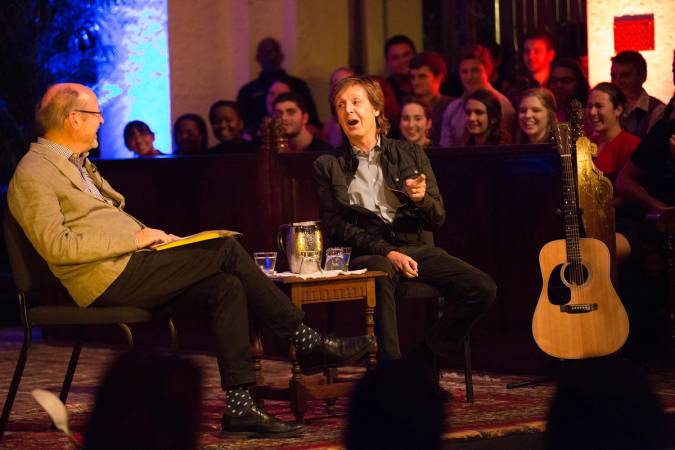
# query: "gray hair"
x,y
51,115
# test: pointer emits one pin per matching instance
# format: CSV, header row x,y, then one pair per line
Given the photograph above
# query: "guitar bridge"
x,y
579,308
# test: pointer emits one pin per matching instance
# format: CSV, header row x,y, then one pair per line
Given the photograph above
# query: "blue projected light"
x,y
133,83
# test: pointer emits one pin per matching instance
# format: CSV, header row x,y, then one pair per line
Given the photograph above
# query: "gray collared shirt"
x,y
78,161
368,190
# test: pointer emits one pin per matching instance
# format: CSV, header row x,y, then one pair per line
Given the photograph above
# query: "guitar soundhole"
x,y
575,274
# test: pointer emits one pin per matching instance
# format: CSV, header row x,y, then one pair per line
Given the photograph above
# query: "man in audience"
x,y
251,97
398,51
379,196
629,72
646,183
475,66
75,221
427,73
291,110
538,54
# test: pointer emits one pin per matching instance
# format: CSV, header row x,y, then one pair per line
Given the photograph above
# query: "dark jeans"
x,y
219,275
468,294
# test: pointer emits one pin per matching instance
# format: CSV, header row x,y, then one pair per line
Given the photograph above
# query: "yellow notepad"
x,y
202,236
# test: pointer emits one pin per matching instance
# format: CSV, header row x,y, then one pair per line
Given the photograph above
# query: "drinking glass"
x,y
310,261
337,258
266,261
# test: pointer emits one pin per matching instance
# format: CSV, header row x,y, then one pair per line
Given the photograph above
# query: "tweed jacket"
x,y
363,230
86,242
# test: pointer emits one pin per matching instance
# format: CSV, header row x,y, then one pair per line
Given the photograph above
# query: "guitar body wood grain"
x,y
601,330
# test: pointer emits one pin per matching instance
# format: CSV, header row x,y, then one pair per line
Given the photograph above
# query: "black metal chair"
x,y
30,273
416,290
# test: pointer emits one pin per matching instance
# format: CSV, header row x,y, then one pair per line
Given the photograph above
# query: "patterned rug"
x,y
496,412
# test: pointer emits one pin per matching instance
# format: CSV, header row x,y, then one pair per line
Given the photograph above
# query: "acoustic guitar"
x,y
578,315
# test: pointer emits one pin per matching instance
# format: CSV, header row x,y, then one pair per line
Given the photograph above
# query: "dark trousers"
x,y
468,294
220,277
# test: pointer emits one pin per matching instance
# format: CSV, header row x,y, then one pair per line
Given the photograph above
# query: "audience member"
x,y
415,122
646,183
396,406
538,54
251,97
567,82
475,67
483,123
290,108
398,52
139,138
629,72
147,402
427,72
536,116
606,104
604,404
227,127
93,248
331,132
533,70
189,134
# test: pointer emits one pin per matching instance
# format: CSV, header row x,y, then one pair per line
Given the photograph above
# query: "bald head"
x,y
69,114
59,100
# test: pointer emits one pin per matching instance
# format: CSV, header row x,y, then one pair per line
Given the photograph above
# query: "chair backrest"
x,y
29,270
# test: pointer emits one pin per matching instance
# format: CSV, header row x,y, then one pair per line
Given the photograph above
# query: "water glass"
x,y
310,261
266,261
337,258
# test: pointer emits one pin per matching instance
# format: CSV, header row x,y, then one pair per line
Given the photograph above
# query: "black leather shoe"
x,y
256,423
333,352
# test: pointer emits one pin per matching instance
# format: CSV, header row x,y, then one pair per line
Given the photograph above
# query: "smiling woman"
x,y
483,120
415,122
536,116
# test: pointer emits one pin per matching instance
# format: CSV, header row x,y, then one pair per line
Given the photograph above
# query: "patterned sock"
x,y
238,400
305,338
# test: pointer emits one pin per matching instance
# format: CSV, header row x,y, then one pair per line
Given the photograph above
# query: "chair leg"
x,y
14,386
468,376
70,372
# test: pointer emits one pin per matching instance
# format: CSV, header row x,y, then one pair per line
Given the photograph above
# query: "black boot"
x,y
333,352
256,423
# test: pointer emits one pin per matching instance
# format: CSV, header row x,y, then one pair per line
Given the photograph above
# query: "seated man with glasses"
x,y
75,221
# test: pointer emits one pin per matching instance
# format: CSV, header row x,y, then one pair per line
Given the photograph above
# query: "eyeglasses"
x,y
99,113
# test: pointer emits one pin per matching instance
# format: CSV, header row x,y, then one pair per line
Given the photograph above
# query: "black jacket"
x,y
363,230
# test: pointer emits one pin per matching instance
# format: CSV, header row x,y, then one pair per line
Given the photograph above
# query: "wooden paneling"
x,y
501,207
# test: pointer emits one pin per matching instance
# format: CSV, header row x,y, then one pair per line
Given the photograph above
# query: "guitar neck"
x,y
570,207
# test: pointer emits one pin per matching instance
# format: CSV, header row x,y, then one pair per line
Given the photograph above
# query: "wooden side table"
x,y
323,290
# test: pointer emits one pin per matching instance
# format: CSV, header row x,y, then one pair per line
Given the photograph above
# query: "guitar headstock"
x,y
562,138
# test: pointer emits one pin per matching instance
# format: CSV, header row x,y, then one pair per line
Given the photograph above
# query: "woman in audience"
x,y
606,104
189,134
139,138
536,116
567,82
483,120
415,122
228,126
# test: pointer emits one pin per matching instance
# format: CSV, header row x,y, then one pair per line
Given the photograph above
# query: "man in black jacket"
x,y
380,197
